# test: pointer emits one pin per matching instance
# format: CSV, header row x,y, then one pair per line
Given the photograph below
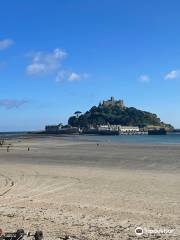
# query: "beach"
x,y
88,189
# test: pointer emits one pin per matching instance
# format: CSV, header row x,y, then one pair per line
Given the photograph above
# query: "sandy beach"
x,y
93,191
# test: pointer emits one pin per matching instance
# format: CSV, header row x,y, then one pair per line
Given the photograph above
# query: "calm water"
x,y
6,135
146,139
173,138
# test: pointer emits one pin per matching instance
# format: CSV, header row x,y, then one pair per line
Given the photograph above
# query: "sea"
x,y
170,138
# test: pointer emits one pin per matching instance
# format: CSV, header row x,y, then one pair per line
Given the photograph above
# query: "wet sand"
x,y
88,189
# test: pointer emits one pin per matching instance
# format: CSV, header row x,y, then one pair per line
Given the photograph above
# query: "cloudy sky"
x,y
57,57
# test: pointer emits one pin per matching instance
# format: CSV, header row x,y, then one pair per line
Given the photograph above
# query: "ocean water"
x,y
171,138
142,139
7,135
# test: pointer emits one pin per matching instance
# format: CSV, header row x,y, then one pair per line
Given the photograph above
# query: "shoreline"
x,y
126,139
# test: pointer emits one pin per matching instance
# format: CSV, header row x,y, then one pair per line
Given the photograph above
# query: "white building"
x,y
104,127
125,129
119,128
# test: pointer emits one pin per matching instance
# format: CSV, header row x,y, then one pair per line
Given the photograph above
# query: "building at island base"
x,y
59,129
53,128
101,129
112,130
119,128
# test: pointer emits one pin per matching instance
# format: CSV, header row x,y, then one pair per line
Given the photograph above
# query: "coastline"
x,y
170,138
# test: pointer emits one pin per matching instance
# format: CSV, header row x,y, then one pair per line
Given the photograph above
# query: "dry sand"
x,y
93,192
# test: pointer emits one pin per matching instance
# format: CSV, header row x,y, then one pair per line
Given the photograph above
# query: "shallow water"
x,y
171,138
145,139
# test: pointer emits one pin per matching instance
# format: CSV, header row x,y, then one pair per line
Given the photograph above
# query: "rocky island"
x,y
114,112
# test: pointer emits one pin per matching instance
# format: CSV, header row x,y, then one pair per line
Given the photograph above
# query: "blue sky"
x,y
59,56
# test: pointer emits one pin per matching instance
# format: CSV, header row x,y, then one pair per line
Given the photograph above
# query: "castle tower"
x,y
112,100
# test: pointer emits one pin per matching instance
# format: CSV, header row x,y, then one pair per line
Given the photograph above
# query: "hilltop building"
x,y
112,101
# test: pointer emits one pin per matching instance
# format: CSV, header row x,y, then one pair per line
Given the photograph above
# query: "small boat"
x,y
160,131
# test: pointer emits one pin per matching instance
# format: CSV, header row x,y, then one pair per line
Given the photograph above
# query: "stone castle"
x,y
112,101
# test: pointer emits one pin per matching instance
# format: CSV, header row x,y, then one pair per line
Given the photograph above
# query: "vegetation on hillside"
x,y
116,115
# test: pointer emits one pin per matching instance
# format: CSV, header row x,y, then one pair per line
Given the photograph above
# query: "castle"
x,y
112,101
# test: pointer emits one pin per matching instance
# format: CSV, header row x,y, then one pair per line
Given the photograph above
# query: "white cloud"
x,y
174,74
144,79
5,43
73,76
45,62
36,68
11,103
51,62
70,76
59,53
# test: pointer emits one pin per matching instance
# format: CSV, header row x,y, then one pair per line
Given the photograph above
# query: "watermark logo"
x,y
139,231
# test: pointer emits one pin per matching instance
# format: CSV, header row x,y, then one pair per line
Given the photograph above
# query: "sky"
x,y
60,56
